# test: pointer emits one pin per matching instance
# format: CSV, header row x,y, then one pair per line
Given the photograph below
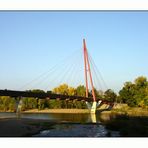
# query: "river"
x,y
69,125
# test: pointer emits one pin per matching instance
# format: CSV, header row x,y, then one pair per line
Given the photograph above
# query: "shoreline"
x,y
115,111
131,112
25,127
66,111
13,127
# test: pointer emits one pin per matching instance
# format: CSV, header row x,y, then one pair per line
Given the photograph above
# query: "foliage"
x,y
36,91
29,103
41,104
135,94
110,95
81,90
7,103
62,89
54,104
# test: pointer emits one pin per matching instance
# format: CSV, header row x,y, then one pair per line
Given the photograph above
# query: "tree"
x,y
5,103
29,103
12,105
37,91
41,104
141,82
81,91
62,89
135,94
127,94
71,91
110,95
98,93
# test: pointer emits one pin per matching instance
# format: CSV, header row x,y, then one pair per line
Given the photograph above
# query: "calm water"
x,y
73,125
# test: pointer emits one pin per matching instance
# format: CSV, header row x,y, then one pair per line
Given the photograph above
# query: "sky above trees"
x,y
32,42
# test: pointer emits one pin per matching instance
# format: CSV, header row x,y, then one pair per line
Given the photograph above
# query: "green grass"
x,y
129,126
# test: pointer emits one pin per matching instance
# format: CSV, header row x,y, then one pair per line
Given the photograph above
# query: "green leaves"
x,y
64,89
81,90
7,103
110,95
135,94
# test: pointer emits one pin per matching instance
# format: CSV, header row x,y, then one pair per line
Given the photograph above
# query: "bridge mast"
x,y
87,65
87,69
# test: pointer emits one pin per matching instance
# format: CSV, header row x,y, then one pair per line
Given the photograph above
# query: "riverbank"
x,y
130,122
13,127
131,112
73,111
124,110
128,111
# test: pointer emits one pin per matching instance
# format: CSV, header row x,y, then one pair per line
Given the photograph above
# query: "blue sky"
x,y
32,42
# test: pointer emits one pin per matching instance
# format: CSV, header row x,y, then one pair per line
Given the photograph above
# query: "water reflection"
x,y
68,125
59,117
56,117
93,118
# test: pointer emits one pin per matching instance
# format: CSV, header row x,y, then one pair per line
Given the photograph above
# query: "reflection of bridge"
x,y
41,95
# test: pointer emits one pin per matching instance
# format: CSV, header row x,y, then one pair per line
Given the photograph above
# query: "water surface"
x,y
68,125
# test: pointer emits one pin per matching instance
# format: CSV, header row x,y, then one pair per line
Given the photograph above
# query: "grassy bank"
x,y
76,111
130,122
131,111
119,110
128,126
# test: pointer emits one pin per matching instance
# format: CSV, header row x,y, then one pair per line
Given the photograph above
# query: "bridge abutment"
x,y
19,107
92,107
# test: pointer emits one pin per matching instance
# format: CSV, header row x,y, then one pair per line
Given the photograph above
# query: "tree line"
x,y
135,94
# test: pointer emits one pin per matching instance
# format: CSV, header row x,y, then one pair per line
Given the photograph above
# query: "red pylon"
x,y
87,69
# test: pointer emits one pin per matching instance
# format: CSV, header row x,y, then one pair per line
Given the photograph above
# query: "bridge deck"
x,y
15,94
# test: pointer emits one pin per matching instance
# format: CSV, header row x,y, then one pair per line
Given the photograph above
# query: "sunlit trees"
x,y
71,91
141,82
7,103
62,89
127,94
110,95
135,94
41,104
29,103
12,104
81,90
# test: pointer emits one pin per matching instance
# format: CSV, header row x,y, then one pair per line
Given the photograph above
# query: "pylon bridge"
x,y
42,95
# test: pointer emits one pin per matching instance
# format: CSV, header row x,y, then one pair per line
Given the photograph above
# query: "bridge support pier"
x,y
19,107
92,107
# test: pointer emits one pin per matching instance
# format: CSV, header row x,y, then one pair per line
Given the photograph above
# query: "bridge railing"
x,y
43,95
